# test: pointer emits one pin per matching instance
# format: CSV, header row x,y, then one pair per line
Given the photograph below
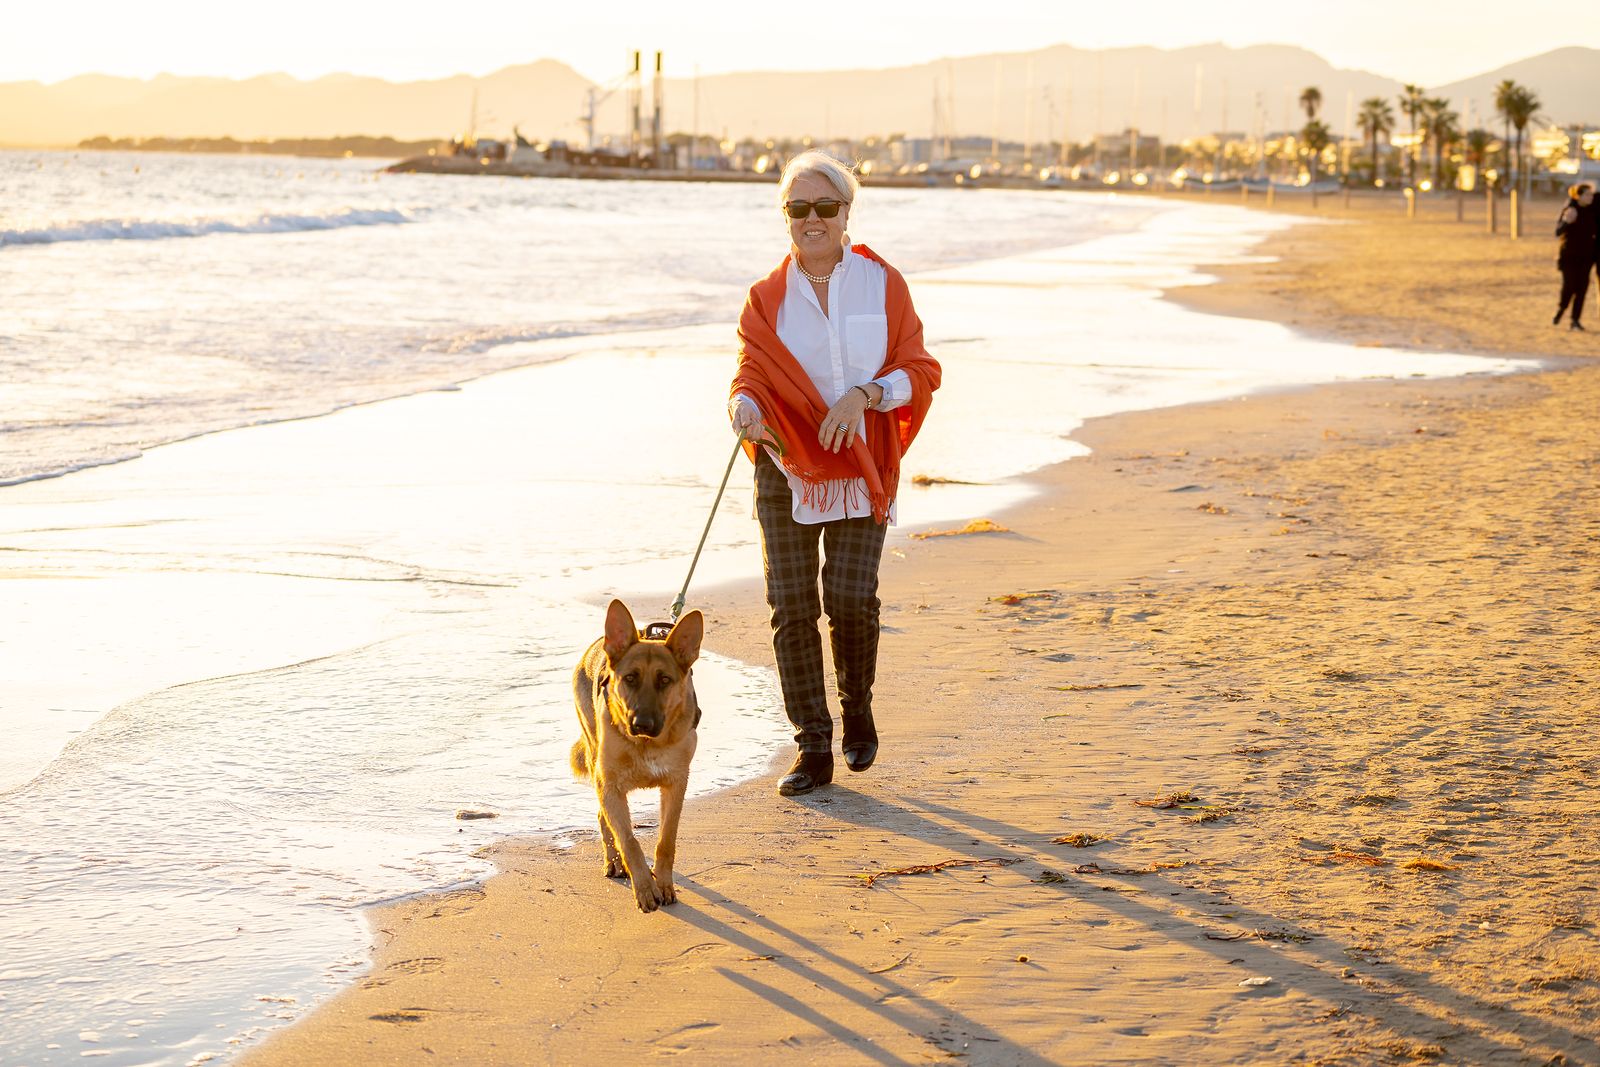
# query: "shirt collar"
x,y
844,264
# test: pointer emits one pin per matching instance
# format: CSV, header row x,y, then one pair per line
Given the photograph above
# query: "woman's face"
x,y
1585,198
815,236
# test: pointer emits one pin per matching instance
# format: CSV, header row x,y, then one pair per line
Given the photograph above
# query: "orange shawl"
x,y
770,375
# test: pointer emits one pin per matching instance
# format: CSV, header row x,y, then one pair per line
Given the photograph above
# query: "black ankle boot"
x,y
810,770
860,741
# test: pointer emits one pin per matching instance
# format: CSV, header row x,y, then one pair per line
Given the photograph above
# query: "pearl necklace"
x,y
812,277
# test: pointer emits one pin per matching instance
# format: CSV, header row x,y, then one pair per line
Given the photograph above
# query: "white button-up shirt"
x,y
839,350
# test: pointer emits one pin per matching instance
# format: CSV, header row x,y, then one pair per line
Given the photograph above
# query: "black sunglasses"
x,y
826,209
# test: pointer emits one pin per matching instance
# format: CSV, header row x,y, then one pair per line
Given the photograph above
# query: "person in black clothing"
x,y
1579,251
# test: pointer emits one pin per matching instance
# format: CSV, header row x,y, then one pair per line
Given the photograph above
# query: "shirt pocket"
x,y
866,344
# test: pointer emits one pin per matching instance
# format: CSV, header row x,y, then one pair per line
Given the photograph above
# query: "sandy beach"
x,y
1264,736
1429,283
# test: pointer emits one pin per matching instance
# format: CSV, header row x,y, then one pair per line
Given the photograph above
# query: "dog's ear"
x,y
621,633
684,640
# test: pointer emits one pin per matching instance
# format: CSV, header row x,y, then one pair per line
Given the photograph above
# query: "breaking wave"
x,y
157,229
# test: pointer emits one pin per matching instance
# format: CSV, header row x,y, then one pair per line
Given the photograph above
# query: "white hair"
x,y
815,161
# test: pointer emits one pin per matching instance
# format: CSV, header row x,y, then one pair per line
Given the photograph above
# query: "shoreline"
x,y
988,314
965,955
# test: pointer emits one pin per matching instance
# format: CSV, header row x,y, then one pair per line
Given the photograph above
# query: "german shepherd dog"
x,y
637,708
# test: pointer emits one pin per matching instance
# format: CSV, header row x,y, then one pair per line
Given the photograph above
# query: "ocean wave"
x,y
45,473
158,229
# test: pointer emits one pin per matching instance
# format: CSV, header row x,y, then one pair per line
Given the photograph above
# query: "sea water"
x,y
248,681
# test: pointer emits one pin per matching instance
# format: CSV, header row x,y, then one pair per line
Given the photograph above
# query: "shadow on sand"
x,y
1476,1029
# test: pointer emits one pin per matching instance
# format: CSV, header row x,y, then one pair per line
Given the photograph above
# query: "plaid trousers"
x,y
854,548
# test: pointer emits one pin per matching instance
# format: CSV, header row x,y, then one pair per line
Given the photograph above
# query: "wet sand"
x,y
1354,623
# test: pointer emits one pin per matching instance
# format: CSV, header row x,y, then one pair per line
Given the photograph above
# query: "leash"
x,y
677,605
769,438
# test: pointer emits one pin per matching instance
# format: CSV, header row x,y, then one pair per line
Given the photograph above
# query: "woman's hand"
x,y
746,419
842,424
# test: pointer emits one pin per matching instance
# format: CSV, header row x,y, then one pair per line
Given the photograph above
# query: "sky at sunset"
x,y
1428,42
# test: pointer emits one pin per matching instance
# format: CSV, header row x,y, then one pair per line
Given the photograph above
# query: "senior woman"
x,y
832,368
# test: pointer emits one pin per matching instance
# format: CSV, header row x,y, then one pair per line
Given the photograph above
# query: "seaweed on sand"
x,y
929,868
976,526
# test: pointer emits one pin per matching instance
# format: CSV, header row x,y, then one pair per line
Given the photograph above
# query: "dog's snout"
x,y
644,726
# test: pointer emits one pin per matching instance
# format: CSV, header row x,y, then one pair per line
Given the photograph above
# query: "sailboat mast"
x,y
1066,122
949,108
694,125
994,128
1133,127
655,114
635,104
1027,121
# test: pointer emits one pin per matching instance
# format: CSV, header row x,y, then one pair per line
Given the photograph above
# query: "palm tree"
x,y
1479,144
1310,101
1520,110
1440,123
1315,137
1411,107
1504,94
1449,141
1376,119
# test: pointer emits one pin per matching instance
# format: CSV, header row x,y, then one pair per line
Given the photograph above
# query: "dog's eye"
x,y
662,681
632,677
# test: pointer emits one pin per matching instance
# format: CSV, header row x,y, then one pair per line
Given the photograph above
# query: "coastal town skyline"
x,y
180,37
1053,93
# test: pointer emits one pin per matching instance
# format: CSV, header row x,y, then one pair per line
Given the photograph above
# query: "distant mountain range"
x,y
1175,93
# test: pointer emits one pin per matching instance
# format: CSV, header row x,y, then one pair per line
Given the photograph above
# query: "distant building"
x,y
1113,148
909,151
1569,153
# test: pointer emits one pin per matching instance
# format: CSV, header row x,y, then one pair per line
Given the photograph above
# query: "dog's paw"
x,y
665,890
647,894
614,868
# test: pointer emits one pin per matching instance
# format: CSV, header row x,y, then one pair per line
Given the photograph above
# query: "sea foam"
x,y
158,229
